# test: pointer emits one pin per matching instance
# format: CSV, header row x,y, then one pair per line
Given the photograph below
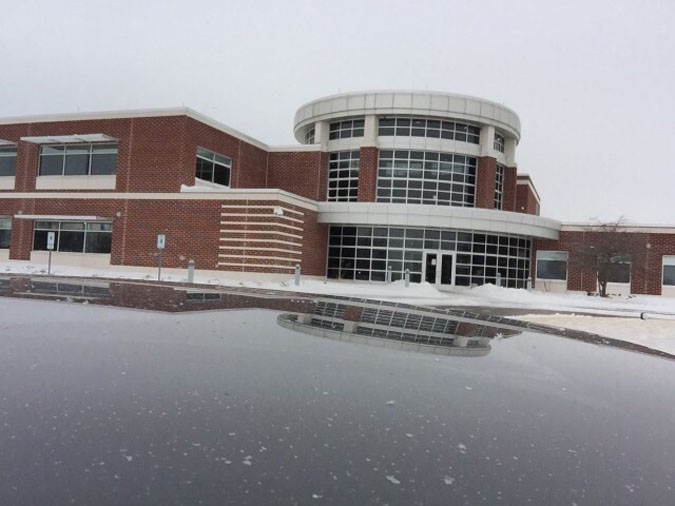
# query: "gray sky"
x,y
593,81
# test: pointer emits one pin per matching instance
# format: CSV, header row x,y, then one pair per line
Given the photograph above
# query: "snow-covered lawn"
x,y
416,293
656,334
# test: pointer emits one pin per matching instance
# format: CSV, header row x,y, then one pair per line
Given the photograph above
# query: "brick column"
x,y
26,166
22,239
510,183
486,179
323,177
368,174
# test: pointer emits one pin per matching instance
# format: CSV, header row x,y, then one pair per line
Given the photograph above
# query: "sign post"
x,y
51,239
161,243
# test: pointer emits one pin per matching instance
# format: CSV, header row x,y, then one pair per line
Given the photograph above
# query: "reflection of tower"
x,y
392,325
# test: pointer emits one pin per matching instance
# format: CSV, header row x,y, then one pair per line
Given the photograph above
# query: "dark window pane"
x,y
51,165
619,273
77,164
551,269
669,275
221,175
204,170
71,241
5,236
40,240
7,161
103,164
98,242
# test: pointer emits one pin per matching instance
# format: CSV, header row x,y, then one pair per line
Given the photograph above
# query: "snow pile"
x,y
495,296
653,333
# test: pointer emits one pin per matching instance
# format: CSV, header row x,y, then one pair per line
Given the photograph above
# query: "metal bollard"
x,y
191,271
389,274
407,278
297,274
499,279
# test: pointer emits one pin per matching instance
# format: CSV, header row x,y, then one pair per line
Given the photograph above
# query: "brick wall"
x,y
486,179
368,174
301,172
646,263
510,182
155,154
253,238
526,202
191,227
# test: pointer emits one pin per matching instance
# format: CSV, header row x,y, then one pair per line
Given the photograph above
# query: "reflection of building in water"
x,y
395,327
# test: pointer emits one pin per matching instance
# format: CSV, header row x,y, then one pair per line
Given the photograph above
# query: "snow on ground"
x,y
416,293
657,334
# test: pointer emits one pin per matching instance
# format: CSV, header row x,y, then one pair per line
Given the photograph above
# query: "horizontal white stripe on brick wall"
x,y
270,241
263,223
270,232
285,209
254,248
259,257
230,194
262,266
268,215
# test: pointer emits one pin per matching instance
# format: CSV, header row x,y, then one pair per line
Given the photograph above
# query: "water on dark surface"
x,y
100,405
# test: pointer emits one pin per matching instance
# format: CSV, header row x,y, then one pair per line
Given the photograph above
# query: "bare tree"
x,y
606,250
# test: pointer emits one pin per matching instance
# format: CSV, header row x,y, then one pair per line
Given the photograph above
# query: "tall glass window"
x,y
424,127
343,176
499,187
346,128
499,143
74,236
5,232
365,253
309,136
552,265
425,177
213,167
7,161
78,160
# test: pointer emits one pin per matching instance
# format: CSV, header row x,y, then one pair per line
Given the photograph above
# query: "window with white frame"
x,y
213,167
5,232
74,236
425,127
425,177
78,159
7,161
346,128
309,136
343,176
499,187
499,143
552,265
668,270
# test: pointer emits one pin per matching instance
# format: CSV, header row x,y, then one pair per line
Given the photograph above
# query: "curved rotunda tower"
x,y
424,181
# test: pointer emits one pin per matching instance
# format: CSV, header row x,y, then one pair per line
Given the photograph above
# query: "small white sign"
x,y
161,241
51,238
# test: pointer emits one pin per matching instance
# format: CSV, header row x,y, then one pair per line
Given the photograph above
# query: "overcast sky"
x,y
593,81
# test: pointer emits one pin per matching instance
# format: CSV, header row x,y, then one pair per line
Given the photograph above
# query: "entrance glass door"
x,y
439,268
430,267
447,276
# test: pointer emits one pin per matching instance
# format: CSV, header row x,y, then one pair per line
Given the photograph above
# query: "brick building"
x,y
379,183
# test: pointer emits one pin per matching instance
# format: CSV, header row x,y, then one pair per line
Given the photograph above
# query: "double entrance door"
x,y
439,268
